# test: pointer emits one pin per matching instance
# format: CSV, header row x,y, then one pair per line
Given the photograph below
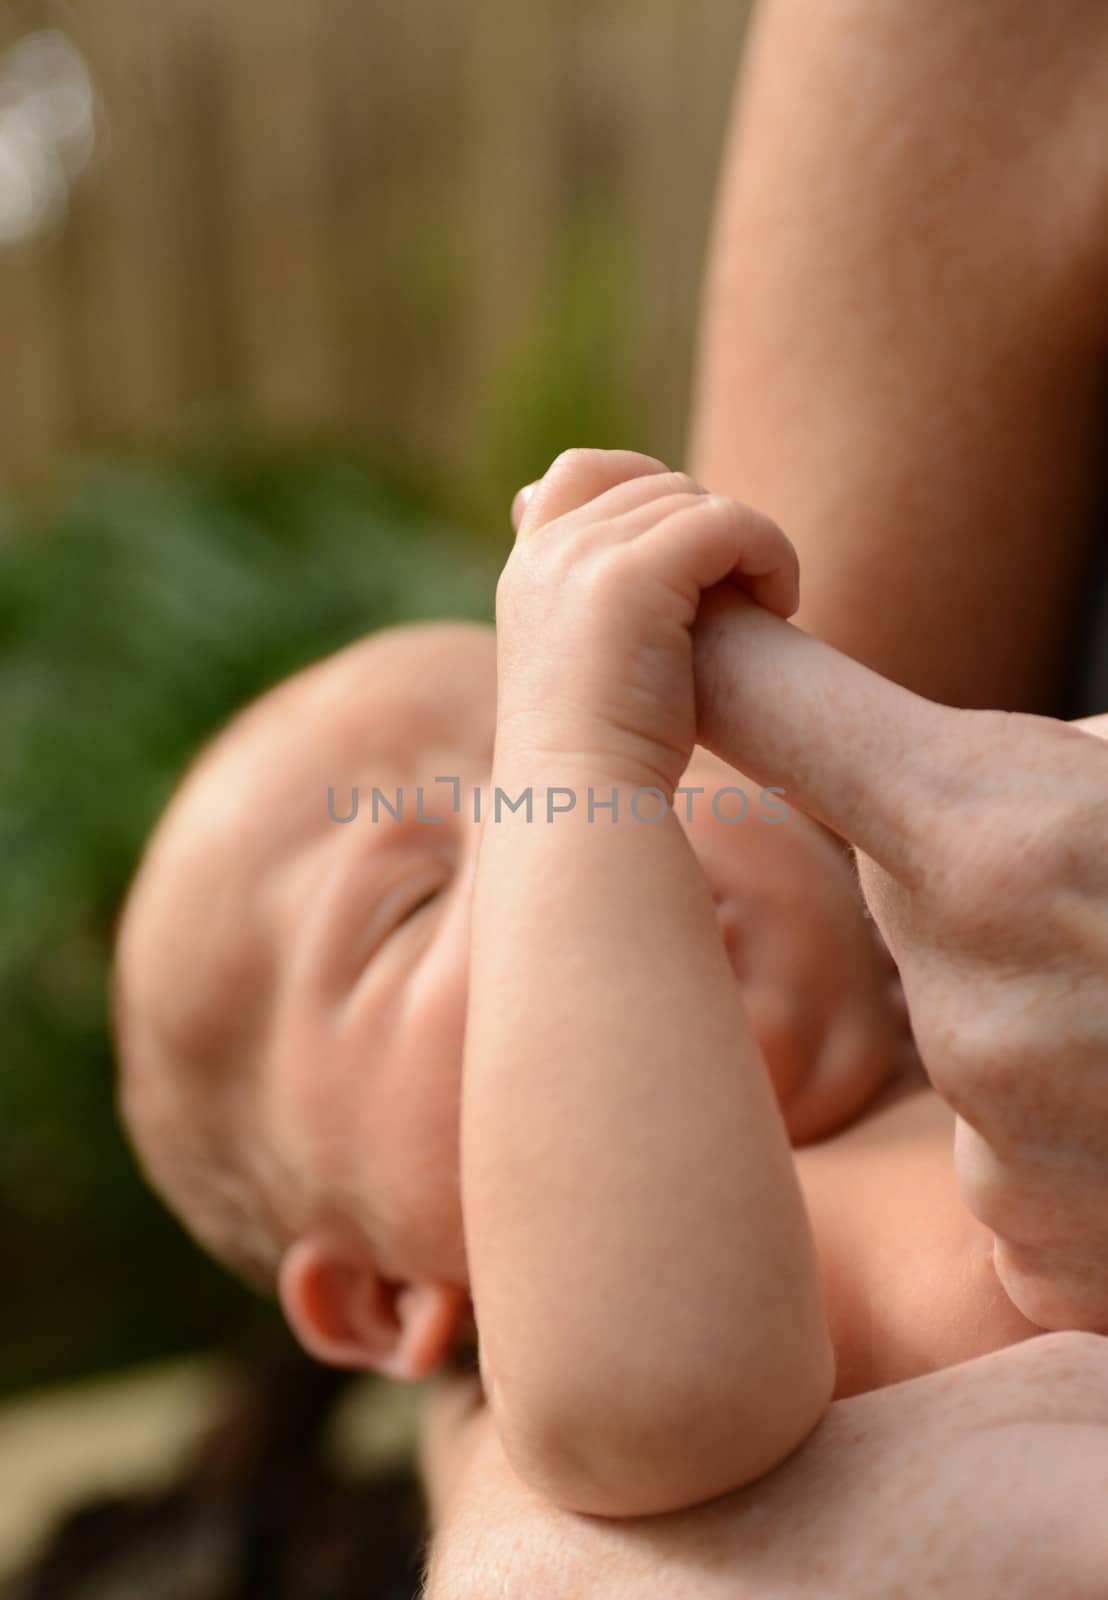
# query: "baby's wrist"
x,y
583,758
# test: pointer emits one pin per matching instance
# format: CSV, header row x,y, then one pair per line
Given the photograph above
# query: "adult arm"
x,y
987,1479
905,323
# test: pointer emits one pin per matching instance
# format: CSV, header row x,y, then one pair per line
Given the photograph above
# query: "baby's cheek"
x,y
860,1058
784,1033
409,1136
423,1180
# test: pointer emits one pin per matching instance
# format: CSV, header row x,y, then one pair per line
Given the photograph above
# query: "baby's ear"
x,y
345,1314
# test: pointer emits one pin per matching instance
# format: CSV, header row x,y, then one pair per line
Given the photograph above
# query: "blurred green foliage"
x,y
566,378
138,609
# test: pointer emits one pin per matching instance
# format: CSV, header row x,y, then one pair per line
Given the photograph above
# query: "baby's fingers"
x,y
520,504
576,478
713,540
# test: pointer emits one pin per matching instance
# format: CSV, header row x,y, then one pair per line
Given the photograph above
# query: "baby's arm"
x,y
651,1322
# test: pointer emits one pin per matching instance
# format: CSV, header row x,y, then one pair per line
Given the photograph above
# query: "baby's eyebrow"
x,y
329,886
342,902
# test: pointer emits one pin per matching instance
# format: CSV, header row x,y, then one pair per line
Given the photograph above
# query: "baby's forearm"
x,y
641,1263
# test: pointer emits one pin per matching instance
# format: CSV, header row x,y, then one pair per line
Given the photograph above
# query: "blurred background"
x,y
294,294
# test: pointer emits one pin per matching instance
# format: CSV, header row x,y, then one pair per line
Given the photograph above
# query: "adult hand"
x,y
816,979
983,853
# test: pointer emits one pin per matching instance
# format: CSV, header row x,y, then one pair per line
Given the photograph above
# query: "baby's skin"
x,y
326,965
615,1095
628,1021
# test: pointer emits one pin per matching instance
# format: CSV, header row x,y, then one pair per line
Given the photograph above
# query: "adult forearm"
x,y
916,1483
904,325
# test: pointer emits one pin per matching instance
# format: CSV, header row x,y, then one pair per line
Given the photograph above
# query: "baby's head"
x,y
291,988
290,992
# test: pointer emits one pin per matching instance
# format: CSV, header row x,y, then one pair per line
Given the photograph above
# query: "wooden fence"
x,y
388,220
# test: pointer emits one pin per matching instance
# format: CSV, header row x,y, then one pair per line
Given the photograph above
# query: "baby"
x,y
444,881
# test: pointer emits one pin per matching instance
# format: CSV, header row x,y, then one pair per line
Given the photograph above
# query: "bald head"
x,y
198,961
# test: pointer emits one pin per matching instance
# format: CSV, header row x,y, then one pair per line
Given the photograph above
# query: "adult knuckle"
x,y
978,1065
988,1187
969,1080
976,872
1018,886
1024,825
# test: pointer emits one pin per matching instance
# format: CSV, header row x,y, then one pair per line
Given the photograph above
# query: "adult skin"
x,y
986,1480
902,360
983,854
905,324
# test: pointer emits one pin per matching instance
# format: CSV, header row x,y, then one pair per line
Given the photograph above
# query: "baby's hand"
x,y
596,604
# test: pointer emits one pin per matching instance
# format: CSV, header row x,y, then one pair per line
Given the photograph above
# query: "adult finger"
x,y
866,757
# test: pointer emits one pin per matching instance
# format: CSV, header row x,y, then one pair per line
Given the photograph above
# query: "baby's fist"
x,y
596,604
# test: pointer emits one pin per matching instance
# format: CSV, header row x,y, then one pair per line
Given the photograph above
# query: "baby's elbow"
x,y
620,1453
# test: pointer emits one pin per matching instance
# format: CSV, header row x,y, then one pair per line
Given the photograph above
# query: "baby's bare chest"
x,y
908,1276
